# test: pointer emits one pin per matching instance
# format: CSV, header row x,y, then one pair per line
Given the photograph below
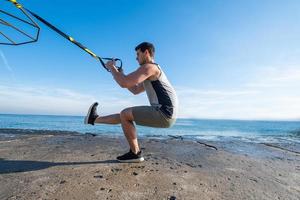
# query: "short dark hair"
x,y
146,46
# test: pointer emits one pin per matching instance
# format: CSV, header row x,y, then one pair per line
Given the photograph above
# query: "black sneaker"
x,y
92,114
131,157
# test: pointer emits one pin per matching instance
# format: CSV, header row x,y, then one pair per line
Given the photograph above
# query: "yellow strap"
x,y
16,3
71,39
90,52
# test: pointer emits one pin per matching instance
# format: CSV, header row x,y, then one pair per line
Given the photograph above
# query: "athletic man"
x,y
161,113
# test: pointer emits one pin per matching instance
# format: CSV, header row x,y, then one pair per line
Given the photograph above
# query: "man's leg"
x,y
126,119
93,117
109,119
129,129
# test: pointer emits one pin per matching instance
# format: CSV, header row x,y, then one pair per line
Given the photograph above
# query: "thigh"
x,y
149,116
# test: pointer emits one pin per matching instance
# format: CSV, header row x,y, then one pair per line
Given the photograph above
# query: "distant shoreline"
x,y
204,119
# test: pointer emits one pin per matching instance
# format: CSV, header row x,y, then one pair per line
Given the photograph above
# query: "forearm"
x,y
118,76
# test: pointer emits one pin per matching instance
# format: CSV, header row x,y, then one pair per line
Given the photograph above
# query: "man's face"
x,y
141,57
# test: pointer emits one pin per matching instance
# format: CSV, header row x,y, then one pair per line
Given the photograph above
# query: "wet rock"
x,y
91,134
176,137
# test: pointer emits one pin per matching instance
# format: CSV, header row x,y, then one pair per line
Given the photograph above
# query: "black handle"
x,y
118,60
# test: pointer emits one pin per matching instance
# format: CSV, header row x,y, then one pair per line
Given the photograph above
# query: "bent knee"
x,y
126,114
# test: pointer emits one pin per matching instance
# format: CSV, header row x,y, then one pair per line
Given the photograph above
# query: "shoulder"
x,y
149,68
152,71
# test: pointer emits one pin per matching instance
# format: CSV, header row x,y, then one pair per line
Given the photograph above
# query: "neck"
x,y
149,60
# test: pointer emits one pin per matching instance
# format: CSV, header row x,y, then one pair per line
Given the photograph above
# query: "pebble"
x,y
116,169
134,173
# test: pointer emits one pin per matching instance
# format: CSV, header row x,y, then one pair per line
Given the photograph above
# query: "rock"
x,y
253,179
116,169
99,176
134,173
91,134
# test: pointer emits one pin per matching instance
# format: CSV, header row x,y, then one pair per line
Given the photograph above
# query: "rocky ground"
x,y
56,165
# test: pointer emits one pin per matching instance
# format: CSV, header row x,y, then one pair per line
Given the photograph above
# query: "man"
x,y
148,77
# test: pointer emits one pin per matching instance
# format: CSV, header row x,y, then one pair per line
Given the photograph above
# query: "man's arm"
x,y
137,89
134,78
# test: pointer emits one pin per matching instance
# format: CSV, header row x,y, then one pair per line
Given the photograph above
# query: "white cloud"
x,y
272,94
59,101
277,77
6,65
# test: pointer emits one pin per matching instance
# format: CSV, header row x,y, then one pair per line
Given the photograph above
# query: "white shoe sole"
x,y
132,160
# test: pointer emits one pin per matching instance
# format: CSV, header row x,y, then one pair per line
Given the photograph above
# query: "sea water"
x,y
245,130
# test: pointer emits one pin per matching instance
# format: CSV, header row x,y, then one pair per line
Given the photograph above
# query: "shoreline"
x,y
56,165
244,143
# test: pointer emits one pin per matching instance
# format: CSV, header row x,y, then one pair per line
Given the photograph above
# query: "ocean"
x,y
194,129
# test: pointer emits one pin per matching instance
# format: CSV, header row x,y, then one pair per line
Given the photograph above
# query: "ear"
x,y
147,52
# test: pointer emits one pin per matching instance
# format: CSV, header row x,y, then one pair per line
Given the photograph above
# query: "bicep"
x,y
138,76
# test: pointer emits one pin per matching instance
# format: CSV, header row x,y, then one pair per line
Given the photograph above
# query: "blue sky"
x,y
233,59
